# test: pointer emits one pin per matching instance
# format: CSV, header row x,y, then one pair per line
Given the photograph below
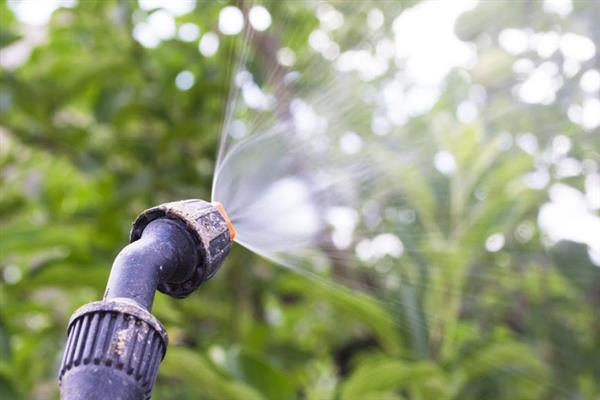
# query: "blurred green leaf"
x,y
192,369
422,380
256,372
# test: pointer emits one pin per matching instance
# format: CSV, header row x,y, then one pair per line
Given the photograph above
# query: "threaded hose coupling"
x,y
113,352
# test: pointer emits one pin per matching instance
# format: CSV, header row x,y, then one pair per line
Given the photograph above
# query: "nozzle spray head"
x,y
221,209
211,229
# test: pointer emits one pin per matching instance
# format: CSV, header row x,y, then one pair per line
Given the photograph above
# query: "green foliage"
x,y
93,130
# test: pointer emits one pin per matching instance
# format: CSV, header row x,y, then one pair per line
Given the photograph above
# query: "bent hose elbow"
x,y
114,346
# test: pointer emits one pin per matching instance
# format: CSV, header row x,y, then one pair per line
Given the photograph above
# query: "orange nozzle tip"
x,y
222,211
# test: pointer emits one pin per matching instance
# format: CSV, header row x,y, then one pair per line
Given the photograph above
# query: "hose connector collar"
x,y
210,230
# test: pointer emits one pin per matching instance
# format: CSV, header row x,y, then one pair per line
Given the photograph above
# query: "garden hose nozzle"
x,y
115,345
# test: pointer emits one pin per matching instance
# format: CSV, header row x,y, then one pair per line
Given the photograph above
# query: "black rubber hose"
x,y
166,251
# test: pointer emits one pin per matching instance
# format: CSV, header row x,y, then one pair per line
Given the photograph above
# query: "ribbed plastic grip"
x,y
116,342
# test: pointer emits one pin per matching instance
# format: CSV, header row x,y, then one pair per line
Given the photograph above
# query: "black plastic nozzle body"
x,y
115,345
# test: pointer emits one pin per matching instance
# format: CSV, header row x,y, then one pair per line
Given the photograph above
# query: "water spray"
x,y
115,345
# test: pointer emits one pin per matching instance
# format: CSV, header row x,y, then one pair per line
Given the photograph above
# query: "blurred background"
x,y
463,265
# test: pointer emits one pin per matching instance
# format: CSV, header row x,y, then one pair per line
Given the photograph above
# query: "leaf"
x,y
361,307
386,376
258,373
194,370
7,37
512,368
